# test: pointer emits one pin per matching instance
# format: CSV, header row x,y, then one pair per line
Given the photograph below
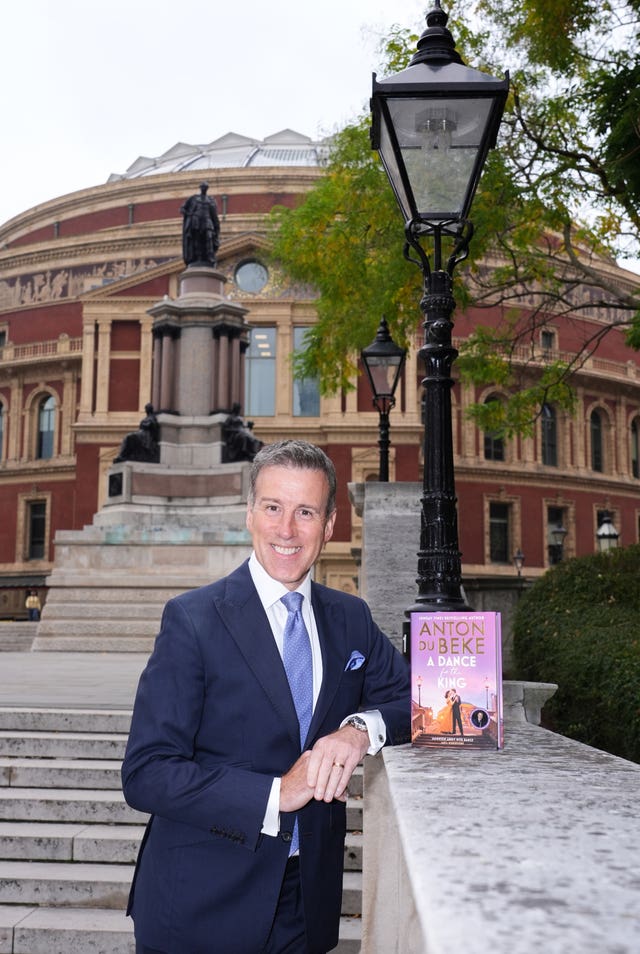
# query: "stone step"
x,y
86,642
58,883
82,745
351,894
94,611
354,814
117,625
42,841
59,773
66,931
17,637
356,782
29,930
62,581
353,851
111,721
89,806
109,596
350,936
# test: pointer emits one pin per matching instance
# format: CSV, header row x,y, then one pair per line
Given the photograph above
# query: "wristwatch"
x,y
357,723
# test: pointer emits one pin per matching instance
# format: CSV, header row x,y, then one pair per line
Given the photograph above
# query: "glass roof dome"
x,y
286,148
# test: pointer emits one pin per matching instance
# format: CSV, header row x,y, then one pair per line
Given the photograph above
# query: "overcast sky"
x,y
88,85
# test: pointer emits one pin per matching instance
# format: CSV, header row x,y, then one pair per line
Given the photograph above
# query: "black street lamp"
x,y
606,535
383,361
518,561
433,125
556,550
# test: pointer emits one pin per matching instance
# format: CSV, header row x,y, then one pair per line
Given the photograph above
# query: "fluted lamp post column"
x,y
433,125
383,362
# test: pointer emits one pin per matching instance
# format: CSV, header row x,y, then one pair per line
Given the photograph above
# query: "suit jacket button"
x,y
286,835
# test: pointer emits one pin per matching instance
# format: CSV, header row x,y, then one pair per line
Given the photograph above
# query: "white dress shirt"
x,y
270,592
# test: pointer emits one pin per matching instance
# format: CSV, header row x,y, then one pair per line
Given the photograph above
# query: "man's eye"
x,y
305,514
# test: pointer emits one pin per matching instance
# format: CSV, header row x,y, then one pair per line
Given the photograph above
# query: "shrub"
x,y
579,626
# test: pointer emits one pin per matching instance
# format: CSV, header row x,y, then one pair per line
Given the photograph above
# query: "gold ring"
x,y
339,764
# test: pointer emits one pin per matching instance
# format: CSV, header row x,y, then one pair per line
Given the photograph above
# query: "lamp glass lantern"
x,y
383,362
433,124
606,535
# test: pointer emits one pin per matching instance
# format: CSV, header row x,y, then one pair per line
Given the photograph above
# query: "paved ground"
x,y
76,680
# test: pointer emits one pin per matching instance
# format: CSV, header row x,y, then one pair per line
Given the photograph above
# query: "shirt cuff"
x,y
271,821
375,727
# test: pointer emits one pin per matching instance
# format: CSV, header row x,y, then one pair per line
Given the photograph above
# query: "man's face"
x,y
288,521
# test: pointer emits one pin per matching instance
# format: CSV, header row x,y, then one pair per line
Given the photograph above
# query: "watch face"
x,y
251,276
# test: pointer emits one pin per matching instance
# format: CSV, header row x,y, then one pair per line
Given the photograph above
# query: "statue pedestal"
x,y
199,344
169,529
169,526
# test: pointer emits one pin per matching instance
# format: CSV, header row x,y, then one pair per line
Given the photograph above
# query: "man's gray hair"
x,y
297,454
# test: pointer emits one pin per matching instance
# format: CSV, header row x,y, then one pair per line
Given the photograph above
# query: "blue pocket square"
x,y
356,659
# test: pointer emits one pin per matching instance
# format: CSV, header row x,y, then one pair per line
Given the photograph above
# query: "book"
x,y
456,680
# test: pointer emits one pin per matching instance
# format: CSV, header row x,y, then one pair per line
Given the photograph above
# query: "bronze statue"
x,y
142,445
200,229
240,442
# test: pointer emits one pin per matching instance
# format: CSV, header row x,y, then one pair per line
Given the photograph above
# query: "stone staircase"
x,y
68,841
17,637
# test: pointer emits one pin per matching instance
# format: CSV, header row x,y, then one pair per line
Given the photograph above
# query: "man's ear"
x,y
328,527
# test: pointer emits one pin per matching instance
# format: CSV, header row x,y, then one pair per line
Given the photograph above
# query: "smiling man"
x,y
263,692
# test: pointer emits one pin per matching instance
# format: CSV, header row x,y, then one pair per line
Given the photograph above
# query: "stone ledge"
x,y
515,848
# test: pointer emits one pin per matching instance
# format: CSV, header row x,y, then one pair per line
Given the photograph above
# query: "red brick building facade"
x,y
78,276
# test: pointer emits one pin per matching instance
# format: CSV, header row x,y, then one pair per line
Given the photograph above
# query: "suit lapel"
x,y
255,641
332,634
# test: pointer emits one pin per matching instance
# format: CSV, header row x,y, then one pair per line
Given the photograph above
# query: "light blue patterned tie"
x,y
298,664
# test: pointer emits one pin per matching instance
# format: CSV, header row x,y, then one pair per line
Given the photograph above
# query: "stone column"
x,y
88,369
146,363
104,359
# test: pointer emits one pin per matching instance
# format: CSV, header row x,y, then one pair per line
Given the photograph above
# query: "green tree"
x,y
558,204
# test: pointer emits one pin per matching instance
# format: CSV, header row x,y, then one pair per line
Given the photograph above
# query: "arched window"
x,y
635,448
493,442
549,436
46,428
597,460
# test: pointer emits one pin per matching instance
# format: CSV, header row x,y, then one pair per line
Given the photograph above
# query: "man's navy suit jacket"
x,y
213,723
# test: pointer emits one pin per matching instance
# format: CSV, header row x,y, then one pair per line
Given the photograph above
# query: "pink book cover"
x,y
456,680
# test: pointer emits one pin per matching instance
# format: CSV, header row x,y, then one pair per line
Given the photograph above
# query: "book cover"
x,y
456,680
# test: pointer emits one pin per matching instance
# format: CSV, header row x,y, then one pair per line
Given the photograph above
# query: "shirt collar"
x,y
271,591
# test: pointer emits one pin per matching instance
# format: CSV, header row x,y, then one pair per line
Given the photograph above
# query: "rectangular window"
x,y
556,533
3,338
306,392
547,341
37,529
260,374
499,533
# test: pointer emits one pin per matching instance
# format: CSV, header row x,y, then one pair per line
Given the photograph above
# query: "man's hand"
x,y
332,761
295,790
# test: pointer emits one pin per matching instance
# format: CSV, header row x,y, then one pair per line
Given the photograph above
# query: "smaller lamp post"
x,y
383,361
557,547
518,561
419,684
606,535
